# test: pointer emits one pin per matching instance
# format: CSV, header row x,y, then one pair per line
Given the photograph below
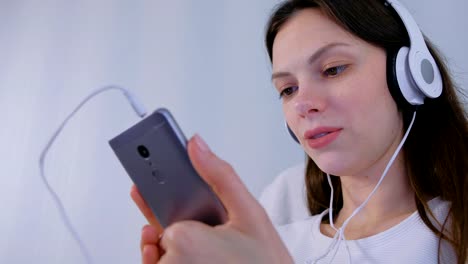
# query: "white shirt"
x,y
285,198
410,241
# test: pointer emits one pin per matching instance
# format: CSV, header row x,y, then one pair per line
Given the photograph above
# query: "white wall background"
x,y
204,60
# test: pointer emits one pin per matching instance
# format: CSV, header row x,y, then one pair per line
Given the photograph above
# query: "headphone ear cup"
x,y
396,66
291,133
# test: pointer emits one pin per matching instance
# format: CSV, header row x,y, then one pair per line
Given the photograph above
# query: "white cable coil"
x,y
137,107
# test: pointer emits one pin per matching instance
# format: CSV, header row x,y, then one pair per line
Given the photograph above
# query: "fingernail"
x,y
202,146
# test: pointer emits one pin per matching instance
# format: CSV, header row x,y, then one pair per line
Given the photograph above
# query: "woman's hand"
x,y
247,237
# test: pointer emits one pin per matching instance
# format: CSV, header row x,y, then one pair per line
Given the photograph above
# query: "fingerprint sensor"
x,y
158,176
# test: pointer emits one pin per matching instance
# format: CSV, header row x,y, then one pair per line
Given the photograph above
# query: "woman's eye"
x,y
334,71
288,91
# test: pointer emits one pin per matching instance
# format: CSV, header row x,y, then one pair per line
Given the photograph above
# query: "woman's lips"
x,y
321,136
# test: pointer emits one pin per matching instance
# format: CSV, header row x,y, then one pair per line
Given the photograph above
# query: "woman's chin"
x,y
334,165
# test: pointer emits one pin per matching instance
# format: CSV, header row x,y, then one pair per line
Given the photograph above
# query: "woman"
x,y
331,71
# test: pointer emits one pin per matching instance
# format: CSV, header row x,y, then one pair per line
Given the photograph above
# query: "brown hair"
x,y
436,150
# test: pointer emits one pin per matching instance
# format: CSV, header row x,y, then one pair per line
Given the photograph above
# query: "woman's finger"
x,y
150,254
188,238
149,244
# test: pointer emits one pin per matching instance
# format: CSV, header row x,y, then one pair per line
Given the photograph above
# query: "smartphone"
x,y
154,154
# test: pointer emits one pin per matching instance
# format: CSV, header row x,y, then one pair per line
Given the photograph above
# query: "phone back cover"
x,y
167,180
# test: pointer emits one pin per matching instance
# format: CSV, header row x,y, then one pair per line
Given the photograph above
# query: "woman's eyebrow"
x,y
323,50
313,57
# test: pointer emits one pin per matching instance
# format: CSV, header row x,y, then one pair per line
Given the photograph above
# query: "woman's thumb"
x,y
243,209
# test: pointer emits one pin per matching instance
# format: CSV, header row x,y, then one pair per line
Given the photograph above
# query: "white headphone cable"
x,y
339,235
139,109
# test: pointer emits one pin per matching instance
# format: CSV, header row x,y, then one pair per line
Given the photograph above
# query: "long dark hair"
x,y
436,151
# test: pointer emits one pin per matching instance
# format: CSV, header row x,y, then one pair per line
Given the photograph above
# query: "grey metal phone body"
x,y
154,154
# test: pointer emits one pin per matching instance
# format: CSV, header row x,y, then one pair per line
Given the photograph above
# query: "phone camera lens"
x,y
144,152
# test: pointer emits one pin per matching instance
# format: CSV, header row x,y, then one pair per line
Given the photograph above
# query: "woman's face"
x,y
334,94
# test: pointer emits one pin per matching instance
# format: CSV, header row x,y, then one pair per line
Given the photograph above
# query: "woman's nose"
x,y
308,105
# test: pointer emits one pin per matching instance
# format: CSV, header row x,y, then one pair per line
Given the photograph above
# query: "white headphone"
x,y
412,73
414,68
